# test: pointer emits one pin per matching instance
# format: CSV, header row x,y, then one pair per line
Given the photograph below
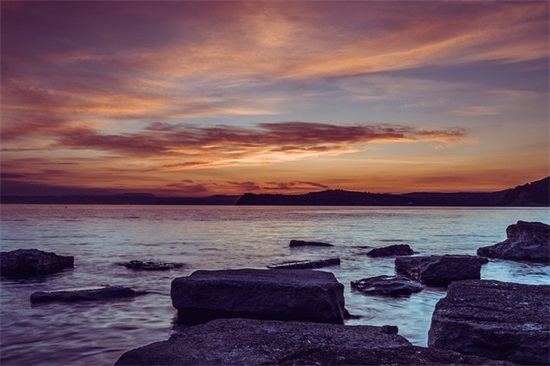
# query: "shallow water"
x,y
220,237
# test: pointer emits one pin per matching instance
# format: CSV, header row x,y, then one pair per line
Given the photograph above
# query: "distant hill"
x,y
533,194
122,199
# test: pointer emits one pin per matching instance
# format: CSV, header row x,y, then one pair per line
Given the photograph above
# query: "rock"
x,y
436,270
283,294
412,355
307,264
499,320
255,342
268,342
391,251
526,241
387,285
150,266
23,263
302,243
84,294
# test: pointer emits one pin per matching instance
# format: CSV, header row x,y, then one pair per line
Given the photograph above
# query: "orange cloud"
x,y
191,147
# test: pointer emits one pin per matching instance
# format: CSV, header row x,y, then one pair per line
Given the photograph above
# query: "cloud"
x,y
474,111
188,146
294,185
246,186
184,187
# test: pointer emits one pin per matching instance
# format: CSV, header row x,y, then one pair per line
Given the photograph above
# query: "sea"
x,y
220,237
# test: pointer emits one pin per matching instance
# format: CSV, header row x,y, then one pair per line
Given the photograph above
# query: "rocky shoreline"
x,y
297,316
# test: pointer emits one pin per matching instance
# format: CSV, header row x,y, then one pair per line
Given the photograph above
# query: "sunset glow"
x,y
191,98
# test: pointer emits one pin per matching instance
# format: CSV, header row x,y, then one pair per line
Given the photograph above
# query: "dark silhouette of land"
x,y
535,194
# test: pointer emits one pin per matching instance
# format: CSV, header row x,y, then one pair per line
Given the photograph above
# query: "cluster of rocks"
x,y
296,316
29,263
526,241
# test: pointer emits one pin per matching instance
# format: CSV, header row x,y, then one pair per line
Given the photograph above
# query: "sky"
x,y
197,98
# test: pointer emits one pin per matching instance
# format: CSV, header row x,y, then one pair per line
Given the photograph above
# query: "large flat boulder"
x,y
23,263
525,241
255,342
499,320
439,270
100,293
283,294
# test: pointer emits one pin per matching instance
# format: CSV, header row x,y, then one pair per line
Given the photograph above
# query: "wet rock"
x,y
499,320
387,285
438,270
302,243
526,241
23,263
413,355
308,264
283,294
150,265
84,294
391,251
254,342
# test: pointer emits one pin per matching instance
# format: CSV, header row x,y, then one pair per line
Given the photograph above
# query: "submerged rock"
x,y
436,270
499,320
283,294
387,285
84,294
308,264
302,243
23,263
268,342
526,241
391,251
150,266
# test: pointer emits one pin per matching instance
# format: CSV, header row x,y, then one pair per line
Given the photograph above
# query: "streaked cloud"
x,y
197,146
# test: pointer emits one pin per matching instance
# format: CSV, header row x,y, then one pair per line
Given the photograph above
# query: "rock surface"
x,y
391,251
302,243
307,264
387,285
254,342
499,320
23,263
283,294
436,270
84,294
150,265
526,241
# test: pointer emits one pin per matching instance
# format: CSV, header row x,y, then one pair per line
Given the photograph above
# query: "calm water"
x,y
208,237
